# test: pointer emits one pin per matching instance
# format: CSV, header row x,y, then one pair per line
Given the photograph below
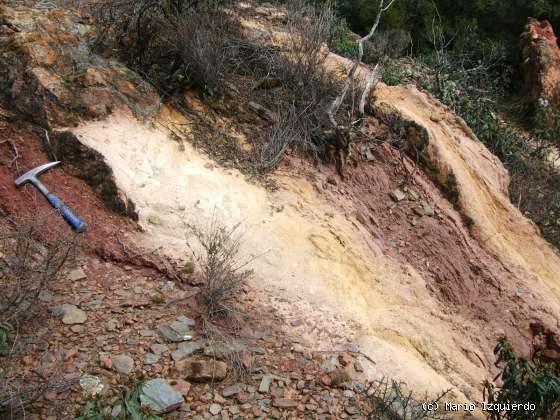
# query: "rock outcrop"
x,y
474,179
541,62
54,77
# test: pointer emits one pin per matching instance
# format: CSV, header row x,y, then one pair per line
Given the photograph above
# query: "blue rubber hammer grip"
x,y
77,224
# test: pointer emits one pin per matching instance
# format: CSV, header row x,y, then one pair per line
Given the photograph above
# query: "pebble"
x,y
147,333
215,409
285,403
397,195
77,274
175,331
111,325
358,366
45,296
151,359
266,381
187,349
123,364
159,348
74,315
181,386
204,370
231,390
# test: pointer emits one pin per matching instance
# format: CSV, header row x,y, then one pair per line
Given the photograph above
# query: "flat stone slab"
x,y
223,350
232,390
160,397
266,381
204,370
176,331
123,363
284,403
74,315
159,349
77,274
397,195
151,359
186,349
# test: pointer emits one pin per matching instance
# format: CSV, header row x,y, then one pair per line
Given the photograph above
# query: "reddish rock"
x,y
41,53
97,102
51,396
326,380
183,387
28,360
242,397
541,62
285,403
202,370
105,361
93,77
344,358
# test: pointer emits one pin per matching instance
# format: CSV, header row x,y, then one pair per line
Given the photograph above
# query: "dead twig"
x,y
372,77
15,153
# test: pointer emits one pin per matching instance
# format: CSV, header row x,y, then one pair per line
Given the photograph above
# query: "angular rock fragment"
x,y
203,370
187,349
160,397
397,195
122,363
74,315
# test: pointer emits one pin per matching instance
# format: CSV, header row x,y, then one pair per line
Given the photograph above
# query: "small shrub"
x,y
223,274
172,42
390,43
27,267
307,87
524,384
208,49
388,400
228,348
284,132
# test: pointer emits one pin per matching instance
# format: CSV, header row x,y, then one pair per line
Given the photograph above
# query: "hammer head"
x,y
32,175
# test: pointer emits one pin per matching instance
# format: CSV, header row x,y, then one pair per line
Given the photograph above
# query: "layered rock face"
x,y
541,63
53,76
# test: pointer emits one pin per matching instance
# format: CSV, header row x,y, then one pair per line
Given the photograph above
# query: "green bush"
x,y
523,383
501,21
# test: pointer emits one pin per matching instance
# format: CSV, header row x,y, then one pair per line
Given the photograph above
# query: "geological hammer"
x,y
32,177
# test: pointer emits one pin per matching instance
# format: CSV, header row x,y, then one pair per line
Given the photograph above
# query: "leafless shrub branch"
x,y
172,42
223,273
372,77
208,48
234,354
388,400
284,132
27,266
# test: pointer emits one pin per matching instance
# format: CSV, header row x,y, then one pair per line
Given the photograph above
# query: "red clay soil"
x,y
464,277
105,232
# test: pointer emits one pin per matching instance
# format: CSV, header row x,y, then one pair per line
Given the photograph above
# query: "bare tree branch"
x,y
372,78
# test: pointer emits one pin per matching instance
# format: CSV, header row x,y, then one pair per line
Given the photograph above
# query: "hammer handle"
x,y
77,224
